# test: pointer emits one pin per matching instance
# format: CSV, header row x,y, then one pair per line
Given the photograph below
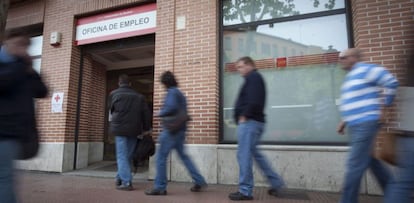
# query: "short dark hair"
x,y
123,79
168,79
247,60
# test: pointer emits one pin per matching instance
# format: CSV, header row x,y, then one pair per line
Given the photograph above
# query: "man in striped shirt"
x,y
367,90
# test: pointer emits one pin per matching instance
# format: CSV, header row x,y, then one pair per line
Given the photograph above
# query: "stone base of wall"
x,y
59,157
302,167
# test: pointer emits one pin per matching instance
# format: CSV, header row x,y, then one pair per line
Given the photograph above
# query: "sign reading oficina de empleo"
x,y
119,24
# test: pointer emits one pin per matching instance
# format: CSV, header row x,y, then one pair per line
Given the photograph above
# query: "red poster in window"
x,y
281,62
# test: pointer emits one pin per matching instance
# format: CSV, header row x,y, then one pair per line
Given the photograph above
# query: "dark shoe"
x,y
127,187
237,196
118,182
198,188
155,192
274,192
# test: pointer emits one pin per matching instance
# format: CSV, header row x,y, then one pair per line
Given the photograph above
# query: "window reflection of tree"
x,y
291,109
251,11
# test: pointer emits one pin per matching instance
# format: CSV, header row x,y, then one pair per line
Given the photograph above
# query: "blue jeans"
x,y
9,151
125,146
402,188
249,134
168,142
360,159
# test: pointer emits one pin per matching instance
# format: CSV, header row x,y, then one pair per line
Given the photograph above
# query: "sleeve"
x,y
383,78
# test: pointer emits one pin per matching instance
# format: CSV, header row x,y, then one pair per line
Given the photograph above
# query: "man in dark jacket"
x,y
129,118
19,84
250,118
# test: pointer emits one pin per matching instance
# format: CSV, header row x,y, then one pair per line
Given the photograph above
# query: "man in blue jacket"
x,y
250,118
19,84
174,102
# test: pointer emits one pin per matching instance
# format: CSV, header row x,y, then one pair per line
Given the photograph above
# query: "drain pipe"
x,y
78,108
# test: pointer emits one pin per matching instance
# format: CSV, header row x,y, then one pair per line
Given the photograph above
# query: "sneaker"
x,y
118,182
274,192
198,188
237,196
155,192
125,187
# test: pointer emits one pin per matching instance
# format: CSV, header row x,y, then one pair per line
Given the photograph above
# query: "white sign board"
x,y
57,102
116,25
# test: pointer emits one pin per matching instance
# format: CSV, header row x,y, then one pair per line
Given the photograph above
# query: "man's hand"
x,y
341,128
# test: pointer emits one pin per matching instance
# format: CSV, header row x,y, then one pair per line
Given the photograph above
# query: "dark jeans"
x,y
9,152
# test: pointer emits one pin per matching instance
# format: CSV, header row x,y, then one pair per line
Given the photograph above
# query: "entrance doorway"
x,y
142,81
132,56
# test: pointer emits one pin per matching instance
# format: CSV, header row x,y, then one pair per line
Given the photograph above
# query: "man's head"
x,y
349,57
245,65
16,43
123,80
168,79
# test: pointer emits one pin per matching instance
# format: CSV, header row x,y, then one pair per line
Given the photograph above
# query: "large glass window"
x,y
245,11
35,51
301,105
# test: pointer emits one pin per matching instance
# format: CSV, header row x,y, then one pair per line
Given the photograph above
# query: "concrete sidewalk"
x,y
35,187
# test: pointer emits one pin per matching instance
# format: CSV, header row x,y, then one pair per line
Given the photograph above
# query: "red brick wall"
x,y
60,68
384,31
192,54
381,30
23,14
93,94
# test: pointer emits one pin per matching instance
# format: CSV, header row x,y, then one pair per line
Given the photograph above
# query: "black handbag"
x,y
177,121
144,148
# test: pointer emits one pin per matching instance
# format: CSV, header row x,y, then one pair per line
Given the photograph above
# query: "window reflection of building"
x,y
310,53
300,8
266,49
265,42
241,45
275,51
227,43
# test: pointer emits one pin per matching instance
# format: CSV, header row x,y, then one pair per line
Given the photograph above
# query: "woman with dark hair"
x,y
174,102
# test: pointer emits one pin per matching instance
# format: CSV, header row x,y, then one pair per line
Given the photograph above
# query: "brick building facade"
x,y
187,42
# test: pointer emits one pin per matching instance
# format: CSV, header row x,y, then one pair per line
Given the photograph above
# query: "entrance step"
x,y
106,169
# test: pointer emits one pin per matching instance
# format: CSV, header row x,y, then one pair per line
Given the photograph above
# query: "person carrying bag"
x,y
173,136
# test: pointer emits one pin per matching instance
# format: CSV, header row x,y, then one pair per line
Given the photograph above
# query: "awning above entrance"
x,y
124,53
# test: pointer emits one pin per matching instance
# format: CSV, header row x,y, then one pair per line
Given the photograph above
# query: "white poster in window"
x,y
57,102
